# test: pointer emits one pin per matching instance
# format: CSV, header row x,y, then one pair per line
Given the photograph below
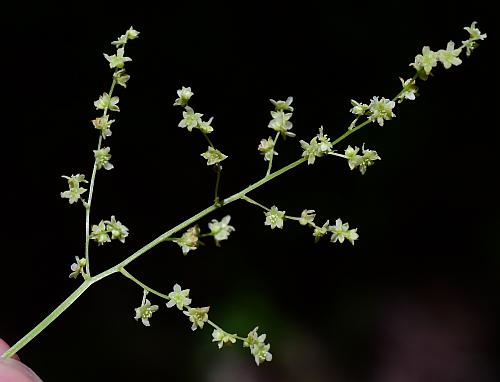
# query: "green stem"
x,y
251,201
48,320
142,285
91,190
272,156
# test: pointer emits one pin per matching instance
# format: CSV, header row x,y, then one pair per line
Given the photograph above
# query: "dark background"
x,y
415,299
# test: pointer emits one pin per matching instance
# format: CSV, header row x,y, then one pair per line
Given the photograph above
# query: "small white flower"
x,y
102,157
103,124
106,102
189,239
358,108
266,147
319,232
283,105
179,298
75,191
274,217
340,232
198,316
221,230
117,60
425,61
100,233
206,127
145,312
223,337
307,217
78,267
261,353
381,110
117,229
450,56
213,156
185,95
409,89
190,119
281,123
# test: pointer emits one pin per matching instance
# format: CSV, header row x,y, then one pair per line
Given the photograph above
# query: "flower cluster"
x,y
340,231
376,110
100,232
258,347
449,57
280,121
361,161
192,120
317,147
75,191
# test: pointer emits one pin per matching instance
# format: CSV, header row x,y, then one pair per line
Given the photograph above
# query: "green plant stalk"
x,y
88,204
119,267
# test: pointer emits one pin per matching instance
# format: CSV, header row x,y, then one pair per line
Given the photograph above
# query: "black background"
x,y
428,255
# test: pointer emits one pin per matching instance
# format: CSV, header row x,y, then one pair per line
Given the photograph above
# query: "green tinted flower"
x,y
103,124
266,147
475,33
307,217
198,316
213,156
121,77
283,105
206,127
274,217
117,60
409,90
185,95
450,56
102,157
362,161
220,230
222,337
117,230
191,119
179,298
100,233
105,102
340,232
281,123
261,353
380,110
189,240
358,108
319,232
75,191
311,150
78,267
369,156
145,312
353,159
257,346
425,62
130,34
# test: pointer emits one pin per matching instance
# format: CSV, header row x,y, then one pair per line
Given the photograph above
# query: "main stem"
x,y
119,267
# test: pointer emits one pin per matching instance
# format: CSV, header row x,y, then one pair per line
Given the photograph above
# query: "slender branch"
x,y
88,204
142,285
251,201
48,320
